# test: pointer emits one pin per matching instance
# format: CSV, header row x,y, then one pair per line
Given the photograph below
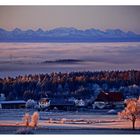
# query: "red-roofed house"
x,y
109,100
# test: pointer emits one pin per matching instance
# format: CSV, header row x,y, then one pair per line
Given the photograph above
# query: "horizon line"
x,y
40,28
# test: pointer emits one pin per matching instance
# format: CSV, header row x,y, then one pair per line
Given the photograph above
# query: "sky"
x,y
126,18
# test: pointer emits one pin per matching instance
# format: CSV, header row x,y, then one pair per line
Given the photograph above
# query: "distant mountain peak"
x,y
40,30
114,30
130,32
65,28
93,29
68,34
17,30
29,30
2,30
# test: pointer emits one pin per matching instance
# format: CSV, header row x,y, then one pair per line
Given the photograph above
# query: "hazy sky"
x,y
81,17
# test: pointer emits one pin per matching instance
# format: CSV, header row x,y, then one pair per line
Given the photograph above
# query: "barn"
x,y
18,104
109,100
62,104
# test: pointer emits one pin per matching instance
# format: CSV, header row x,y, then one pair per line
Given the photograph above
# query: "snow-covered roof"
x,y
13,102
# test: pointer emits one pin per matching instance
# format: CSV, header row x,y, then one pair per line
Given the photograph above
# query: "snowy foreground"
x,y
96,122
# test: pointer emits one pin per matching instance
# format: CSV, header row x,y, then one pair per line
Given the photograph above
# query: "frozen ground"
x,y
96,122
93,131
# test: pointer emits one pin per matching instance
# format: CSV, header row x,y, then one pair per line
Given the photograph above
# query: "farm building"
x,y
44,103
62,104
109,100
12,104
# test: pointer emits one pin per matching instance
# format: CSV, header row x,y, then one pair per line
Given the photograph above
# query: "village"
x,y
112,100
71,68
70,91
69,101
102,118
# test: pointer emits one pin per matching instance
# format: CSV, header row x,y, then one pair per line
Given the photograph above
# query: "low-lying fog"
x,y
26,58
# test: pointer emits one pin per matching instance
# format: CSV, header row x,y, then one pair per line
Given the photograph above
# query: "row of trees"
x,y
77,84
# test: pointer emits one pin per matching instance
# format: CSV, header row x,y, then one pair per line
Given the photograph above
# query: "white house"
x,y
44,103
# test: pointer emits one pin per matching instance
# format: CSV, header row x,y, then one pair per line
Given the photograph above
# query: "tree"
x,y
26,119
96,89
131,111
134,90
2,97
43,94
35,119
59,89
28,95
11,96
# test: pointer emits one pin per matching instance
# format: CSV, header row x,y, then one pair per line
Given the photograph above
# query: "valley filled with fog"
x,y
30,58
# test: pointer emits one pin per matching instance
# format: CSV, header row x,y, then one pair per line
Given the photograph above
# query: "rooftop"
x,y
13,102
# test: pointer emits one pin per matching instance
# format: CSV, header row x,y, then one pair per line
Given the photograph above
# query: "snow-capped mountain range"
x,y
64,34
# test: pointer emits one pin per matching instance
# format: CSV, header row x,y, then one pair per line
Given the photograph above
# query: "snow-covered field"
x,y
88,122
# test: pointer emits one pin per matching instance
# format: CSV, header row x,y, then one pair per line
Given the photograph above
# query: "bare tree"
x,y
131,111
35,118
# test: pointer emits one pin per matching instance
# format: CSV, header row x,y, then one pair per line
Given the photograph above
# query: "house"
x,y
62,104
12,104
80,103
109,100
44,103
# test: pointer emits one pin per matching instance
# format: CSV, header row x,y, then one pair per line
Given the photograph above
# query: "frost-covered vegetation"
x,y
31,121
131,111
79,85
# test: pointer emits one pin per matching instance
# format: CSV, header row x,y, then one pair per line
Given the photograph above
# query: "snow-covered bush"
x,y
31,104
96,89
112,111
2,97
80,103
34,120
130,91
26,119
37,107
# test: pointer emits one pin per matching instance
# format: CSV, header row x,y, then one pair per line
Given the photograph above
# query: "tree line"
x,y
74,84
